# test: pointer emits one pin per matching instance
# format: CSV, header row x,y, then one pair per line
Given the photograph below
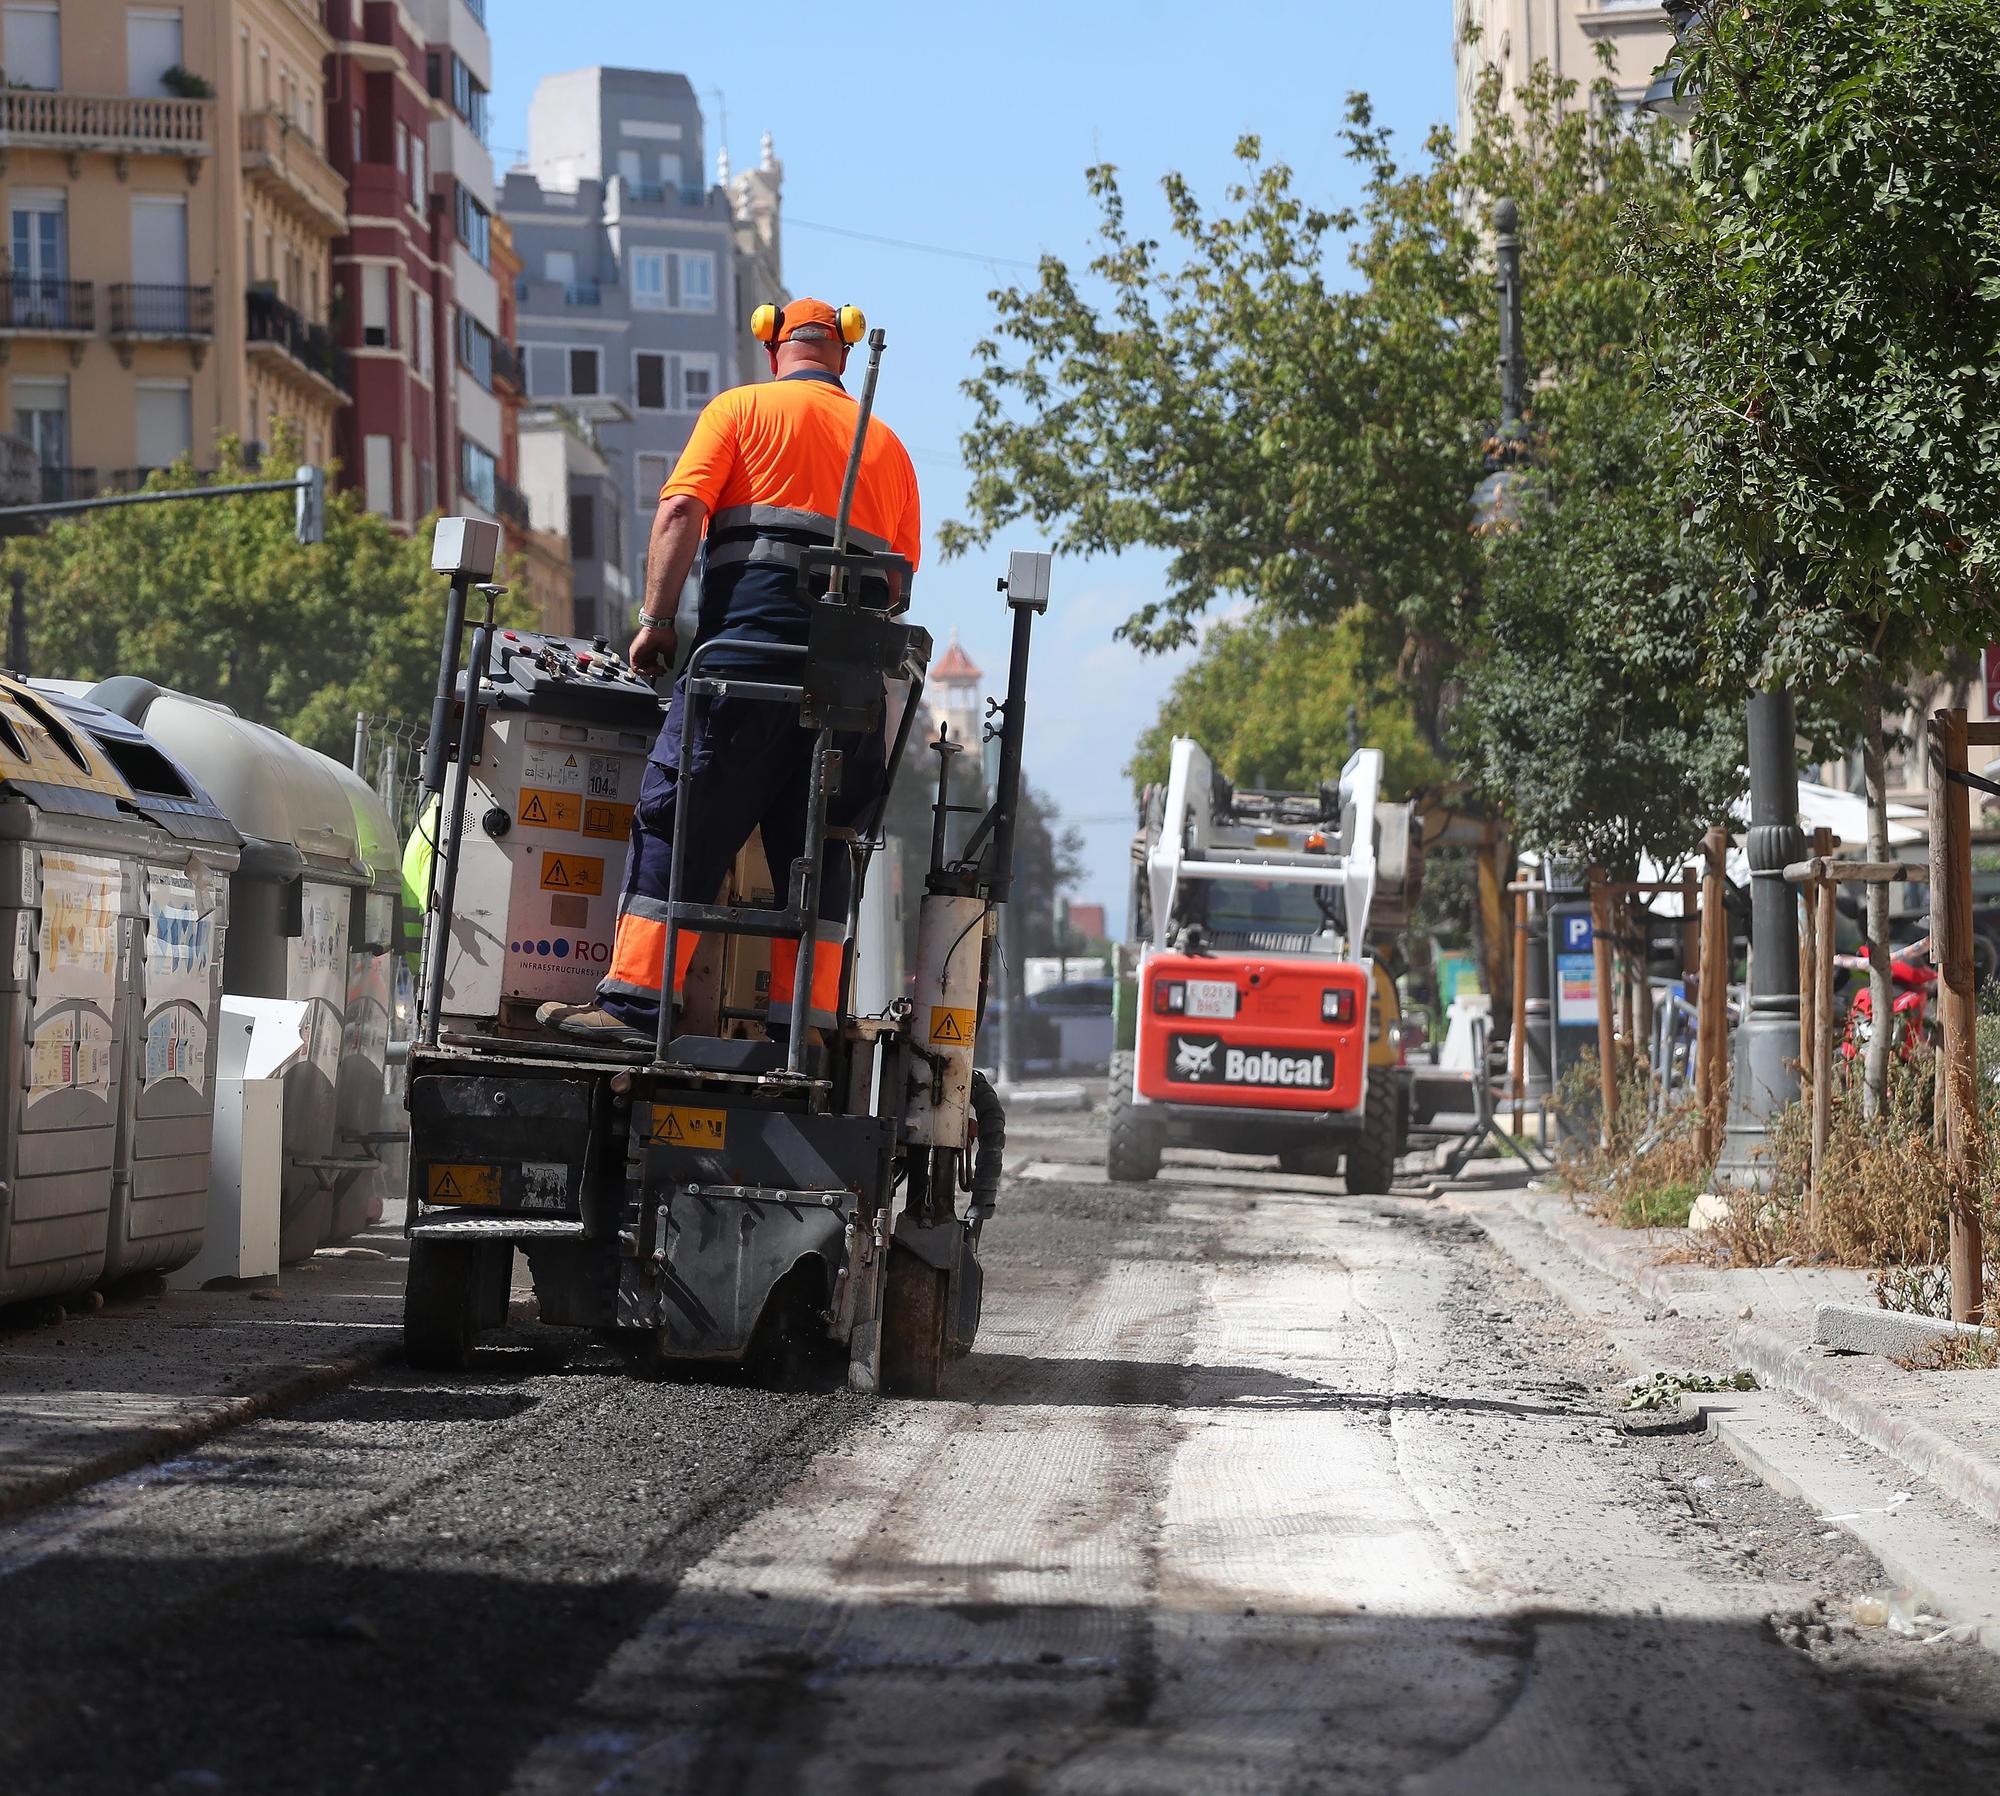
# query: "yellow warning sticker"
x,y
680,1125
951,1027
573,873
550,810
462,1184
1273,838
611,820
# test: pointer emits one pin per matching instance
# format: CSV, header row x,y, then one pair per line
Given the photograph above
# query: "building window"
x,y
649,369
450,80
41,249
646,271
582,527
697,272
165,411
402,148
41,419
475,349
478,474
562,371
586,372
670,171
359,158
375,305
559,265
697,381
420,179
421,321
33,44
152,46
378,457
653,472
475,227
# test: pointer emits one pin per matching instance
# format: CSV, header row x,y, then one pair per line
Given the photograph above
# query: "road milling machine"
x,y
1253,1011
738,1192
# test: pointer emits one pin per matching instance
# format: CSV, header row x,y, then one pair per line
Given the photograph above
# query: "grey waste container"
x,y
361,1085
173,977
68,897
290,906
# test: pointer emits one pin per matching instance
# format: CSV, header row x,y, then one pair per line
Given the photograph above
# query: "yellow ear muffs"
x,y
764,323
853,326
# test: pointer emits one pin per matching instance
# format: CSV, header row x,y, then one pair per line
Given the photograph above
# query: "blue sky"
x,y
969,129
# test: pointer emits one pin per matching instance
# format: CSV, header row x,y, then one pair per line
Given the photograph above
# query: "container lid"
x,y
272,789
50,763
161,790
374,829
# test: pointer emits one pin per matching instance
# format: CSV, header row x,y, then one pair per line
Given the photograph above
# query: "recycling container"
x,y
173,978
360,1085
290,904
69,845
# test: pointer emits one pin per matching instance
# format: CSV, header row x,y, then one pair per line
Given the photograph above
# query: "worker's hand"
x,y
652,650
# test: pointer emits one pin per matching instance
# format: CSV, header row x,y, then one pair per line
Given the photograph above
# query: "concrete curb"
x,y
177,1437
1586,1239
1791,1366
1891,1334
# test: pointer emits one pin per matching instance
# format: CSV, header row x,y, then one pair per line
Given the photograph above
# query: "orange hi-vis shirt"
x,y
767,461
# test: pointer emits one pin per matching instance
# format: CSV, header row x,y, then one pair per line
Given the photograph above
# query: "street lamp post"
x,y
1764,1071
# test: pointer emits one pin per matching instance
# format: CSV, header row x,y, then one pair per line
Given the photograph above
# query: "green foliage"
x,y
1828,321
1269,702
1604,713
217,598
1295,434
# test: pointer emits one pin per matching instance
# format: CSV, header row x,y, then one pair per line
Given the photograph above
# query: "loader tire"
x,y
1132,1139
914,1314
1371,1156
441,1305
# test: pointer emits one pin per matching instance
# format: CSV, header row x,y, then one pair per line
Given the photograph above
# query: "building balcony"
x,y
31,307
106,125
145,312
58,485
287,345
283,162
509,370
511,504
583,293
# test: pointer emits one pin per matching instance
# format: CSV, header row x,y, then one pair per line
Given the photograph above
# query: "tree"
x,y
1826,319
217,597
1271,704
1297,436
1604,712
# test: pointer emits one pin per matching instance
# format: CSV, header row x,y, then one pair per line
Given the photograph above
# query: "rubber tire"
x,y
914,1316
1371,1156
1132,1141
441,1305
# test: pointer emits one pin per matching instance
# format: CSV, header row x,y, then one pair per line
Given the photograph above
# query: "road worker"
x,y
761,479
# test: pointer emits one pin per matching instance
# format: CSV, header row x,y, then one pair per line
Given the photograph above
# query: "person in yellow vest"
x,y
760,481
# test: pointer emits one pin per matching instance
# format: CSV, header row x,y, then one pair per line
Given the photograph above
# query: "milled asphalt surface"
x,y
1170,1530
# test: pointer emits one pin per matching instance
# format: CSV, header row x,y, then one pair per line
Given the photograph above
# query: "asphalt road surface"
x,y
1250,1486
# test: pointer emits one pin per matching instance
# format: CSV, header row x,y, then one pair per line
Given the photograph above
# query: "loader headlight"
x,y
1336,1006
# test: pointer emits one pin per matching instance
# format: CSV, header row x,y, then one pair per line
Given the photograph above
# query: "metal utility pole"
x,y
1764,1074
1507,283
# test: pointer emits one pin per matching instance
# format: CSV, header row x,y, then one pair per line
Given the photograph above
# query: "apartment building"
x,y
1514,35
170,211
632,297
538,558
573,493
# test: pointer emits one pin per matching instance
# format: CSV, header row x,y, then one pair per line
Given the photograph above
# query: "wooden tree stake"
x,y
1951,948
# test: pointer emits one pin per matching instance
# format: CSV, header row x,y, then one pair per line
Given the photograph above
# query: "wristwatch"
x,y
647,621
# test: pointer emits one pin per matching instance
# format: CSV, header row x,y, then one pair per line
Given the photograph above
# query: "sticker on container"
x,y
462,1184
609,821
176,1048
555,769
679,1125
23,936
541,809
605,776
316,958
180,942
544,1185
80,923
52,1057
950,1026
573,873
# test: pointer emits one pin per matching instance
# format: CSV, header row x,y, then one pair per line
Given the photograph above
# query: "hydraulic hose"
x,y
992,1115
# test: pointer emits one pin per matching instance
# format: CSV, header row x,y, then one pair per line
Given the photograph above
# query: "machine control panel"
x,y
565,676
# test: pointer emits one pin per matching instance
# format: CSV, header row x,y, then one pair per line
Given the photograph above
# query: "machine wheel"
x,y
1132,1142
1371,1156
441,1304
914,1314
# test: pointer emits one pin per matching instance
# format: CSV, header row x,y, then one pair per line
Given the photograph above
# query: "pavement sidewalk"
x,y
107,1390
1940,1426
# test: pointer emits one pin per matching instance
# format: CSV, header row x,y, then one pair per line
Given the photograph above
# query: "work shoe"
x,y
586,1022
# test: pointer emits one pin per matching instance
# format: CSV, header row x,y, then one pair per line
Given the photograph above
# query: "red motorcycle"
x,y
1911,975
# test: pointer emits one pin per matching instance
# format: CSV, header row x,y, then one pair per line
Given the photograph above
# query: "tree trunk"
x,y
1881,992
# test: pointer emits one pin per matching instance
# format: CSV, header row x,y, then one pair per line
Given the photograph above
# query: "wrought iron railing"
x,y
30,303
269,320
147,309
